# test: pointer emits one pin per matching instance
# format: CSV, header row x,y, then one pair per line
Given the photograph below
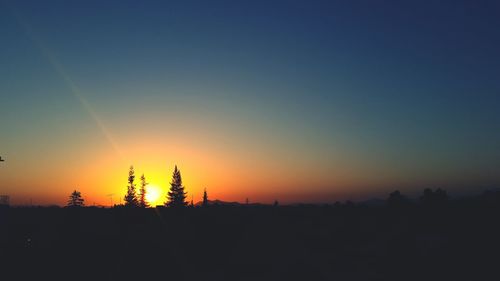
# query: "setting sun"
x,y
153,195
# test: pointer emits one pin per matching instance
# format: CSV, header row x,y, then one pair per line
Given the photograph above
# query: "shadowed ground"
x,y
456,241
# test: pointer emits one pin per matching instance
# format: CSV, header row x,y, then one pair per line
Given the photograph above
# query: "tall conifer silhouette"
x,y
75,199
131,196
142,193
205,198
176,196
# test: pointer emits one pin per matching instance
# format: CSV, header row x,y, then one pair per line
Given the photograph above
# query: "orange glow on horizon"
x,y
230,173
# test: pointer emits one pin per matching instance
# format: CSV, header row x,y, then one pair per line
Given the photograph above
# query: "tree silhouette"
x,y
131,196
434,198
205,198
75,199
427,196
176,196
142,193
396,199
441,195
349,204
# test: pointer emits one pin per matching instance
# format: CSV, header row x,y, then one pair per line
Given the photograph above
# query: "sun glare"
x,y
153,195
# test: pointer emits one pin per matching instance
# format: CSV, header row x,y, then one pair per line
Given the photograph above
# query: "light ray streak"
x,y
60,70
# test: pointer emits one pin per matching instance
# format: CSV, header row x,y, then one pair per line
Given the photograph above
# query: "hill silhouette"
x,y
218,202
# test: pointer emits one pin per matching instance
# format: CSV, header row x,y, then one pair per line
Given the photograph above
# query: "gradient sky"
x,y
312,101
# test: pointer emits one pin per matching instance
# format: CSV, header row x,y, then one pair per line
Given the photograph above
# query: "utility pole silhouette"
x,y
111,198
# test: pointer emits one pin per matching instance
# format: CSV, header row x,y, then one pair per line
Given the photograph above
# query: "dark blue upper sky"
x,y
404,92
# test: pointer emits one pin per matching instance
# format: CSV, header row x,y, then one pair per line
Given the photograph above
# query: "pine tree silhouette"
x,y
142,193
176,196
75,199
205,198
131,196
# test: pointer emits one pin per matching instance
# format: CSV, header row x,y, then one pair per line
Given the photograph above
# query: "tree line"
x,y
176,196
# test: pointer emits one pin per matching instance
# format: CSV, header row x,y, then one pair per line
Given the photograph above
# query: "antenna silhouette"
x,y
111,197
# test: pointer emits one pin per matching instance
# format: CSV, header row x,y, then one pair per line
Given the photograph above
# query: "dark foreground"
x,y
459,240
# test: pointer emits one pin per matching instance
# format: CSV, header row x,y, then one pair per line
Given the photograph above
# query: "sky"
x,y
299,101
